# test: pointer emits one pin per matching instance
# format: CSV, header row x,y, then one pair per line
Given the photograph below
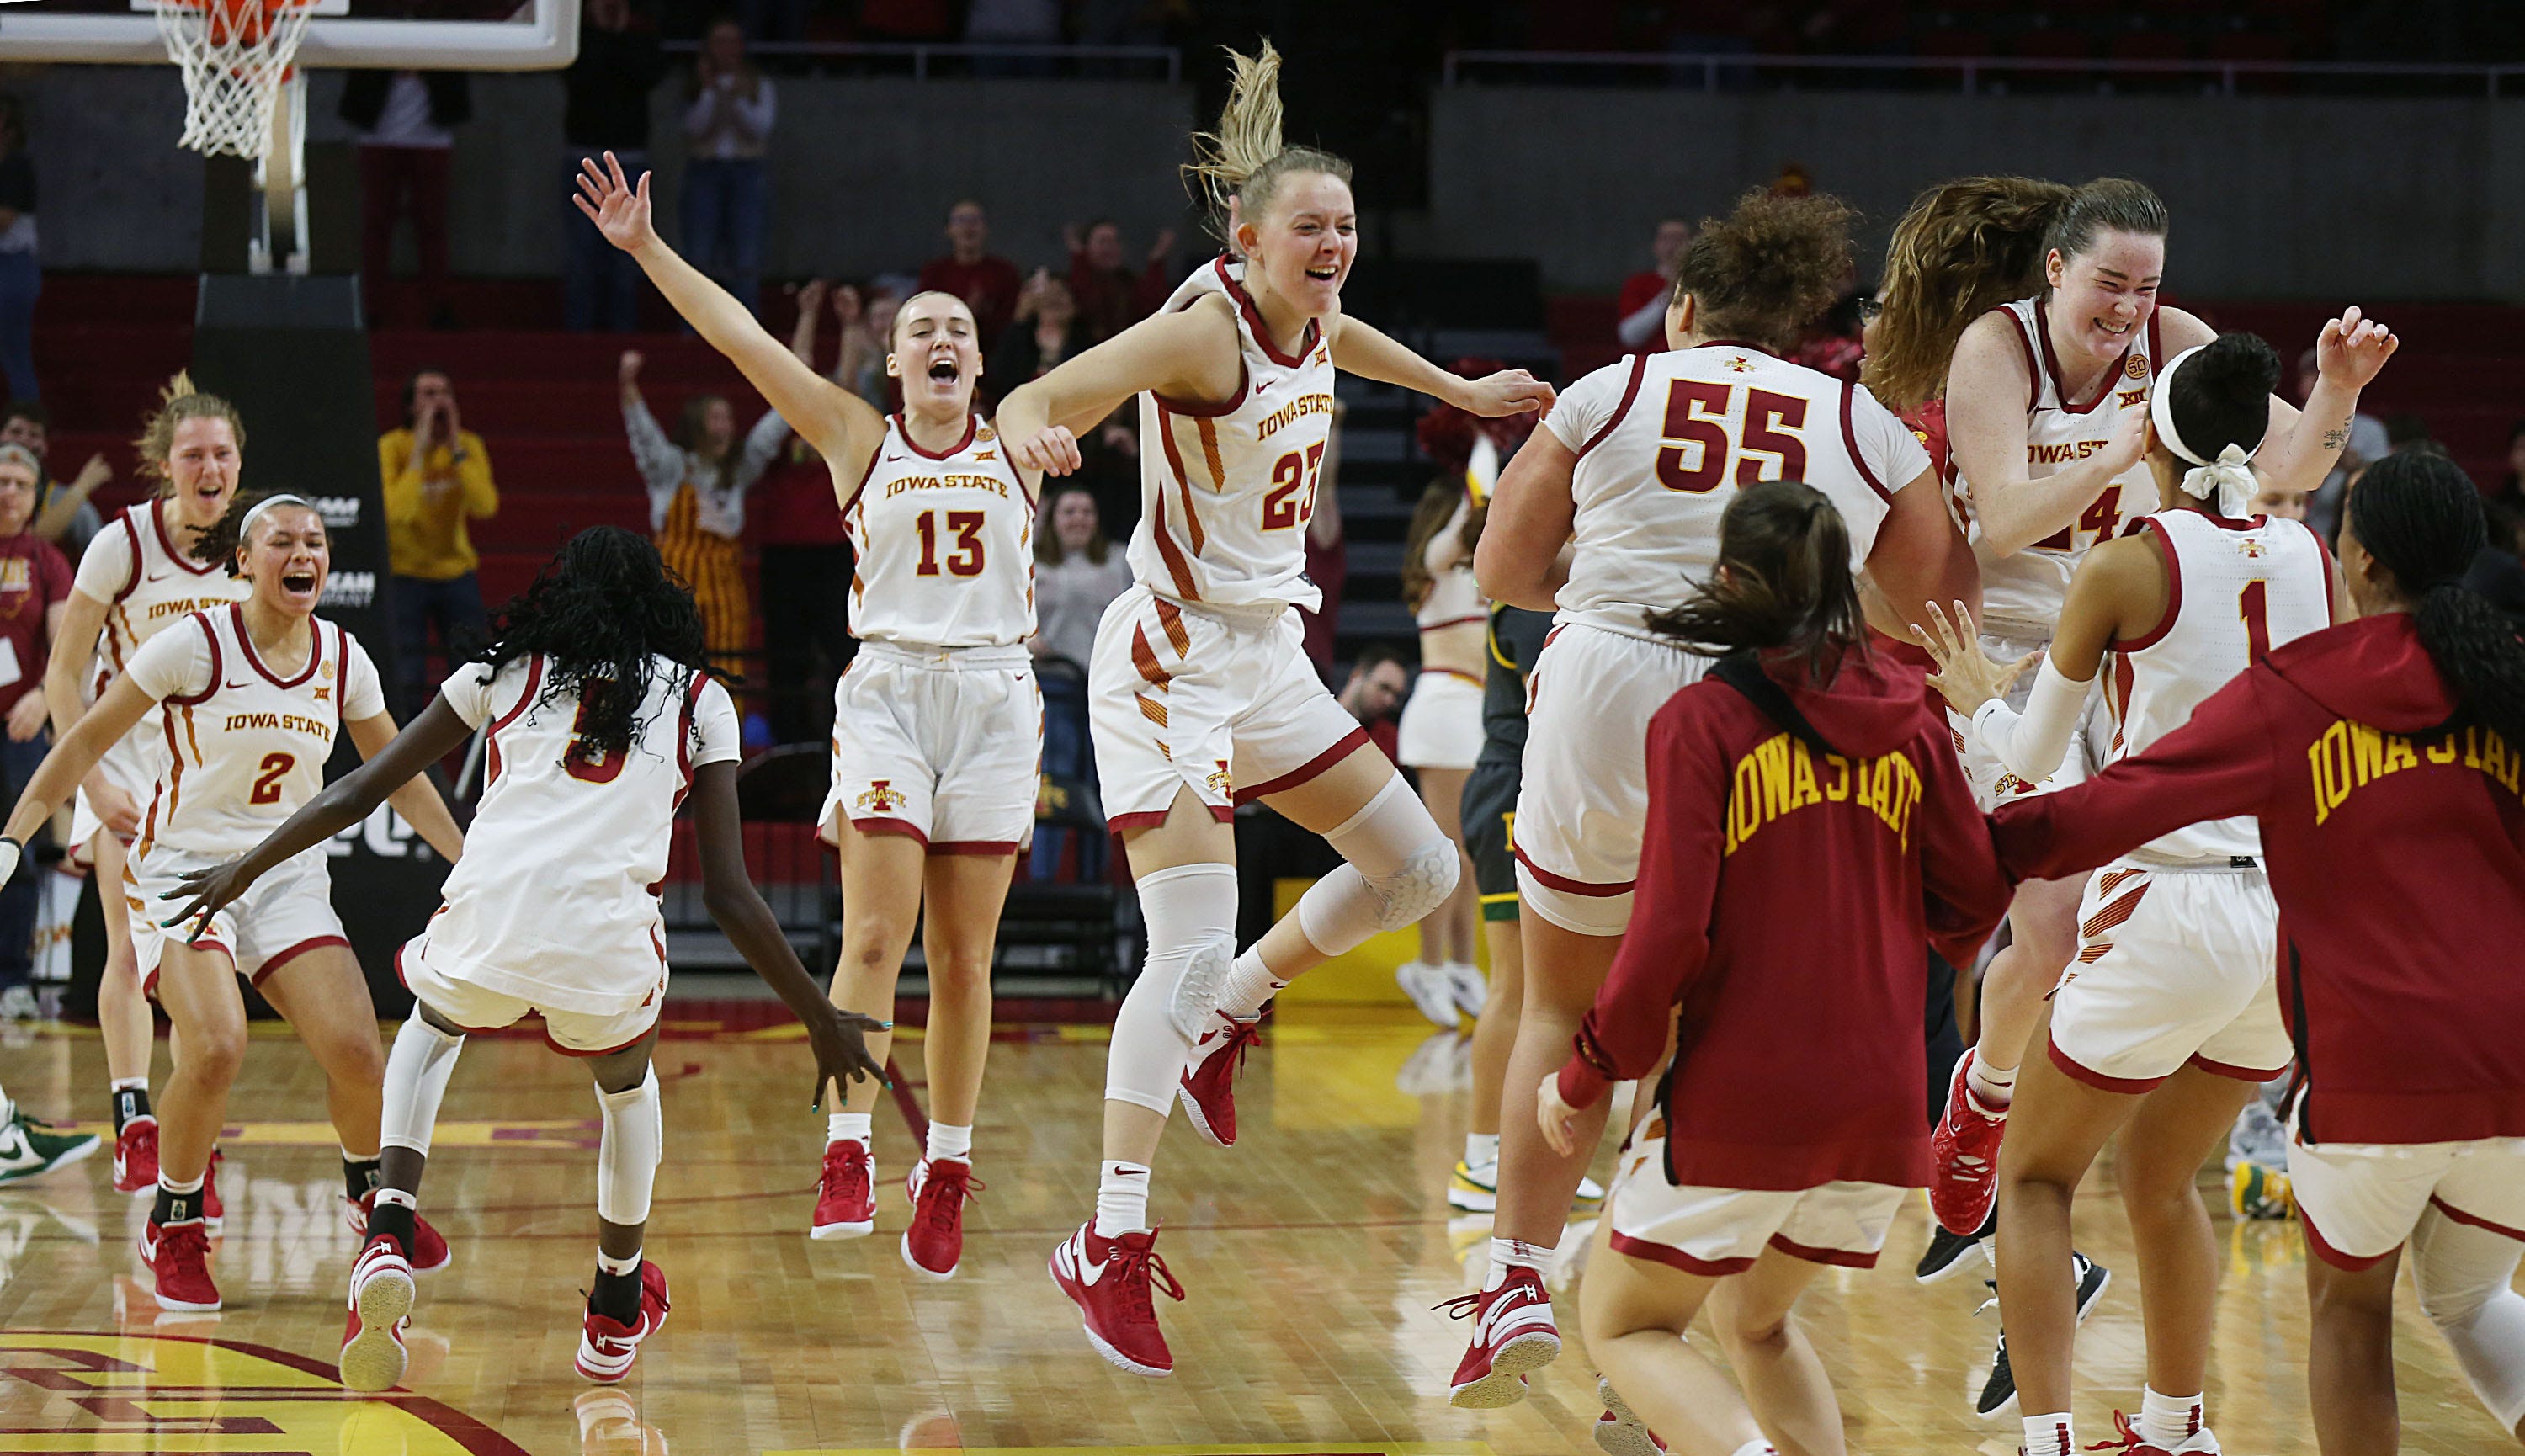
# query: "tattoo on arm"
x,y
2337,436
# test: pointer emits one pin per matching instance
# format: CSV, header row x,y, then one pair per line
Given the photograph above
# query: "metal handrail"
x,y
1712,63
920,53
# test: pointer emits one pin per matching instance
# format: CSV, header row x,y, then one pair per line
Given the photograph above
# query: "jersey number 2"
x,y
1283,507
267,783
1693,455
966,559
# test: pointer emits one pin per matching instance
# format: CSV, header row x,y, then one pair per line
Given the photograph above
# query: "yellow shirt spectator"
x,y
429,497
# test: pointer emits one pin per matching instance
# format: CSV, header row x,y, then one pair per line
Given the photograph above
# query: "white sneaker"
x,y
1430,990
1466,983
17,1004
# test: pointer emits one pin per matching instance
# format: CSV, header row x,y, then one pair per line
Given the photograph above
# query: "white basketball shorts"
x,y
1718,1231
476,1007
131,766
285,914
1441,721
2173,966
2360,1200
1225,703
943,747
1585,798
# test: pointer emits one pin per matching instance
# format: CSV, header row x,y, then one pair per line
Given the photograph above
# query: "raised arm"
x,y
1519,559
55,519
1988,386
841,426
2304,447
416,798
1364,351
1190,354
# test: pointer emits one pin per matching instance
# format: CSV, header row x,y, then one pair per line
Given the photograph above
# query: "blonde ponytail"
x,y
1237,168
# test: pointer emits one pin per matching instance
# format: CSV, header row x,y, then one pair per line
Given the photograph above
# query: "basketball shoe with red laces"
x,y
374,1357
428,1253
1963,1157
179,1258
136,1156
845,1194
1110,1280
935,1241
1512,1334
606,1346
1209,1085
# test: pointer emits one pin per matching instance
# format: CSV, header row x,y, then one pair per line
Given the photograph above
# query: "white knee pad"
x,y
418,1067
627,1158
1190,912
1400,866
2466,1277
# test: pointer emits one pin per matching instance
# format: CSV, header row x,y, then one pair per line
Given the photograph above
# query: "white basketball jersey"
x,y
2022,594
1226,491
2237,590
1665,441
243,746
945,544
148,584
555,899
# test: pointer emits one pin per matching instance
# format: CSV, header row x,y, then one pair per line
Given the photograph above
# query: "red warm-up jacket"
x,y
2395,840
1797,864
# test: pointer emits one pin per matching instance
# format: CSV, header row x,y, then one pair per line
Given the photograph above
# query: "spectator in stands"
x,y
22,277
604,108
65,514
727,124
1077,574
1110,296
2407,431
866,326
1640,308
2368,443
989,286
437,477
406,121
697,483
2511,485
34,592
1373,693
805,556
1047,330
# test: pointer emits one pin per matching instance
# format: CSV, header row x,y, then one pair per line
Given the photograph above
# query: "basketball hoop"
x,y
235,56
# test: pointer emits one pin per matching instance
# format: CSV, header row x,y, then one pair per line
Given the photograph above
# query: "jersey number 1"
x,y
1696,429
2254,605
966,559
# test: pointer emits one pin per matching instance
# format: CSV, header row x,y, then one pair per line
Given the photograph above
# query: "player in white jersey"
x,y
138,579
252,698
1634,470
601,715
1441,733
937,724
2170,1015
2033,305
1200,695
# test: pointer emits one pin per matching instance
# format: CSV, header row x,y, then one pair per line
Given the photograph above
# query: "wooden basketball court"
x,y
1311,1254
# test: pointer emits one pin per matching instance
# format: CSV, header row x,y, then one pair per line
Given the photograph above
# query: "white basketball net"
x,y
234,55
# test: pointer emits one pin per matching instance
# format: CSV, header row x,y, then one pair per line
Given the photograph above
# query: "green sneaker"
x,y
29,1148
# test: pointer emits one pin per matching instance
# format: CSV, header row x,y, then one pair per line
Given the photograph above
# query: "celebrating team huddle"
x,y
1838,676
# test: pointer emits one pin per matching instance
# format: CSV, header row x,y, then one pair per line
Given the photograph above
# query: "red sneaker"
x,y
136,1156
1209,1085
845,1194
935,1241
429,1252
1108,1279
1963,1157
215,1213
1512,1334
179,1259
606,1346
373,1356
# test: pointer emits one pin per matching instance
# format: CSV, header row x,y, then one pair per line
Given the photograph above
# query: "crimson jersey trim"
x,y
315,650
1630,392
1849,443
2157,536
158,518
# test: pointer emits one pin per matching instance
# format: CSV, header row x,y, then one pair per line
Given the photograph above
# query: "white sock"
x,y
849,1127
2051,1436
947,1141
1249,987
1121,1199
1995,1087
397,1196
1514,1253
127,1085
1480,1148
2168,1421
611,1265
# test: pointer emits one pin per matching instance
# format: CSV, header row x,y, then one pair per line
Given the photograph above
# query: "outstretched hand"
x,y
1966,676
1556,1118
1511,391
618,207
840,1041
1053,450
205,894
2352,349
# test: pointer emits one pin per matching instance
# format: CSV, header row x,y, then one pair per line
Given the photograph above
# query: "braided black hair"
x,y
2420,517
601,613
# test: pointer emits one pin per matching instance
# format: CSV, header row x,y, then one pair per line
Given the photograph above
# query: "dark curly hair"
x,y
601,614
2420,517
1767,269
218,544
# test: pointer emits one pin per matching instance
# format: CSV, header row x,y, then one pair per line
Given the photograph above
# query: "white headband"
x,y
2230,476
245,527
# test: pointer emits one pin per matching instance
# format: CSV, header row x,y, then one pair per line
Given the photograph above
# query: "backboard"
x,y
401,35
